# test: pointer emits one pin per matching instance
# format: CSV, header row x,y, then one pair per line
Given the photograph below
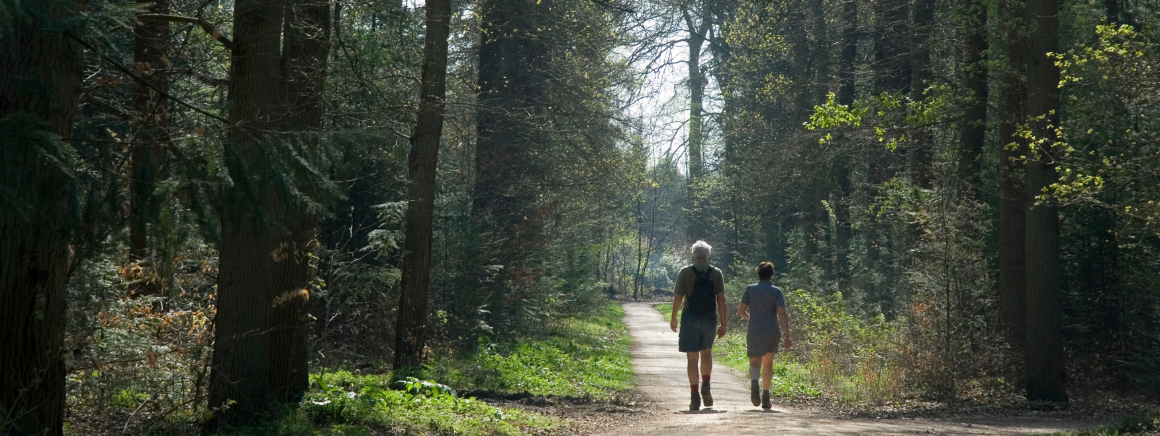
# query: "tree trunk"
x,y
973,132
922,141
1113,11
1012,204
696,39
891,75
153,113
411,327
1045,355
891,63
509,125
842,167
259,353
698,33
34,214
305,47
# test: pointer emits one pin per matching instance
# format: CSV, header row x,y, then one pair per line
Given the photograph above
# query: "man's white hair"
x,y
701,250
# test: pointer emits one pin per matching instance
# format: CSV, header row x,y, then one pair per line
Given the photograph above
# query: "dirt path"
x,y
660,376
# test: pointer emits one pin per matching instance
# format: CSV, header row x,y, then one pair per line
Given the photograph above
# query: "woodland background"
x,y
204,202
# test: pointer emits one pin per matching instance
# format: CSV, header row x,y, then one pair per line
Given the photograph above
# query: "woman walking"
x,y
763,305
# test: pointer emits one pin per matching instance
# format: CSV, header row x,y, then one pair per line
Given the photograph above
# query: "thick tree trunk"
x,y
306,46
259,353
510,125
34,215
153,113
973,132
1045,355
1012,201
411,327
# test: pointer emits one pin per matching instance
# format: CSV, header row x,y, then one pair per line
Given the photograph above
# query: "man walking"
x,y
701,290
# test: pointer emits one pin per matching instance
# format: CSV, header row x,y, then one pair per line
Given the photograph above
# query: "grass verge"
x,y
341,403
585,357
1147,424
581,357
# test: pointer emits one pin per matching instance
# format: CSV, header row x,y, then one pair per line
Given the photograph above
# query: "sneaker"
x,y
765,404
754,393
695,403
705,395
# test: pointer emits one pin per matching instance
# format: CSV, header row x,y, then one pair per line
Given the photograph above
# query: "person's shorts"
x,y
759,342
697,331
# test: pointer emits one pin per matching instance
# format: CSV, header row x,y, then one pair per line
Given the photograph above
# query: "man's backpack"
x,y
703,297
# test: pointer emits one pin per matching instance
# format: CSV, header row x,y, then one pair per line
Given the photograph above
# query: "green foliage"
x,y
31,156
1145,424
582,356
343,403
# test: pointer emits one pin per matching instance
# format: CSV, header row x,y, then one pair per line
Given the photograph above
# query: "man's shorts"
x,y
697,331
759,342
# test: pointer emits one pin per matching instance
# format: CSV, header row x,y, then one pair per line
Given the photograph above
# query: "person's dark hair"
x,y
765,271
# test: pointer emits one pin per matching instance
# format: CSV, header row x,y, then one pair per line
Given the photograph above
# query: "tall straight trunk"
x,y
1012,201
1045,355
152,110
411,327
922,141
891,75
973,132
843,165
697,34
510,124
696,39
891,64
259,355
35,213
305,48
1112,7
249,248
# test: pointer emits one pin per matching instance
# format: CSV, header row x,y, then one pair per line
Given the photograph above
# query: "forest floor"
x,y
660,403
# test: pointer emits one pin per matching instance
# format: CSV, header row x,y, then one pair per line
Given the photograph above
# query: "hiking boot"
x,y
695,403
705,395
765,404
754,393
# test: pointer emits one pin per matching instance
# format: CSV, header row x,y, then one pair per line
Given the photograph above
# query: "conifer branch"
x,y
142,81
205,25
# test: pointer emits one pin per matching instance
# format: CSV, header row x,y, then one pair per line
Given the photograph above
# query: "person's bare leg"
x,y
695,399
754,376
707,362
767,369
706,370
766,376
694,374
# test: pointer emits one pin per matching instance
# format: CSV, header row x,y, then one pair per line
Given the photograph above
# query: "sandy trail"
x,y
660,376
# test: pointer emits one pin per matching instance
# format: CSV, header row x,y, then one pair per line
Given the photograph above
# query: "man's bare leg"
x,y
706,370
694,374
706,362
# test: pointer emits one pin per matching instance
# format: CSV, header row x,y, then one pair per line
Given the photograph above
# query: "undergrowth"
x,y
1147,424
343,403
570,356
